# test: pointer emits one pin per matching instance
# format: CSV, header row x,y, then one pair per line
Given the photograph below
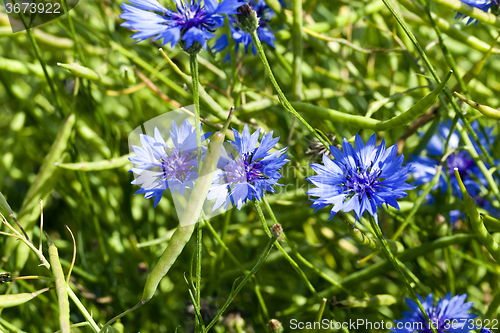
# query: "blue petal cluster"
x,y
447,311
425,167
265,14
191,22
250,172
360,179
160,167
484,5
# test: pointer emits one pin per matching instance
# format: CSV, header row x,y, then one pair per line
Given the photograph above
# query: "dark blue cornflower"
x,y
450,315
192,22
425,167
160,167
360,179
484,5
265,14
250,172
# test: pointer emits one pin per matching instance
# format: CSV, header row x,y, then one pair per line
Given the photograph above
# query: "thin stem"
x,y
284,101
254,270
394,262
197,124
286,255
299,256
135,307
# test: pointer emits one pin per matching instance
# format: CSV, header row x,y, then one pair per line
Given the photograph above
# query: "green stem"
x,y
286,255
299,256
254,270
38,54
394,262
197,123
284,101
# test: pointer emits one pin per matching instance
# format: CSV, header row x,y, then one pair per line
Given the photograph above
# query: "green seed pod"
x,y
378,300
62,293
189,218
7,301
476,221
86,73
484,109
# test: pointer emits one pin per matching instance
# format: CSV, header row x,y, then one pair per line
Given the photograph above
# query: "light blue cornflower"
x,y
252,171
191,22
449,315
265,14
360,179
160,167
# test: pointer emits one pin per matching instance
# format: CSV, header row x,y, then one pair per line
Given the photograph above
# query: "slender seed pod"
x,y
416,110
377,300
62,293
114,163
484,109
189,218
7,301
362,122
467,10
86,73
476,221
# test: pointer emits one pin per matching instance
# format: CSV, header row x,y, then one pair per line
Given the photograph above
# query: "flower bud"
x,y
276,230
274,325
247,19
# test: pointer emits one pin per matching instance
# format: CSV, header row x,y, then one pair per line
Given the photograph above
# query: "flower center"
x,y
360,181
243,170
177,165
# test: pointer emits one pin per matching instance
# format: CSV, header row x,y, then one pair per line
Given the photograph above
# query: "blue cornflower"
x,y
360,179
246,175
450,315
265,14
484,5
425,167
161,167
192,22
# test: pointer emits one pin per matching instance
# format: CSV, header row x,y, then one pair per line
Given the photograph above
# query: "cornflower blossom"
x,y
360,179
191,21
265,14
449,315
484,5
250,172
160,167
425,167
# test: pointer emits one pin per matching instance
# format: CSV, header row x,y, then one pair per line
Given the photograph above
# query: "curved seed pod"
x,y
86,73
476,221
465,9
189,218
484,109
7,301
415,111
377,300
62,293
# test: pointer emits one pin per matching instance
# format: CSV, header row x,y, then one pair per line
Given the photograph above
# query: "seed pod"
x,y
484,109
7,301
189,218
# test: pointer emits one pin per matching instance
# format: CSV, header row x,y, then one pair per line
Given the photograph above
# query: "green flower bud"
x,y
247,19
